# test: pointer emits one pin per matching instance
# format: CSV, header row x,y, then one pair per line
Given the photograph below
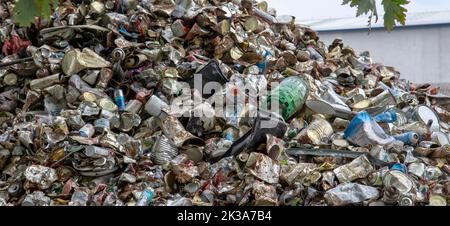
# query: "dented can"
x,y
133,106
398,180
87,131
95,152
409,138
358,168
104,78
316,133
101,125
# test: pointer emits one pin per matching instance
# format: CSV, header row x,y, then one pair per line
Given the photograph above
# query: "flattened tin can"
x,y
399,180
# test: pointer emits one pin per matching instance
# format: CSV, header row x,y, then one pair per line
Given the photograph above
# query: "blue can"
x,y
120,99
387,117
410,138
399,167
146,198
262,65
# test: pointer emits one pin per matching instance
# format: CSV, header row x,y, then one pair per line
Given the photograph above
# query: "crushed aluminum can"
x,y
133,106
275,146
350,193
410,138
107,104
174,130
104,77
417,169
376,178
265,195
185,172
163,150
75,61
398,180
425,114
95,152
363,130
41,83
79,198
440,138
339,144
156,107
146,197
432,173
358,168
87,130
104,112
10,79
37,198
101,125
263,167
41,175
178,29
15,189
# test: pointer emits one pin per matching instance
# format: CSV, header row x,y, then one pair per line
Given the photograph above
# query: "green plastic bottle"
x,y
291,94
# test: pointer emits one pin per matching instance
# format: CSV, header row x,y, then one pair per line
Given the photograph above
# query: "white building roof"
x,y
412,19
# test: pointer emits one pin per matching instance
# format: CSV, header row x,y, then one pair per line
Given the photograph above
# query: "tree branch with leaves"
x,y
394,11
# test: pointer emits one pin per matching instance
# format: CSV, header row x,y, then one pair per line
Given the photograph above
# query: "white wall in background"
x,y
421,54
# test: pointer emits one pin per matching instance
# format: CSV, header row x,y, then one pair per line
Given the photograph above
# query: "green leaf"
x,y
363,6
394,11
25,11
44,7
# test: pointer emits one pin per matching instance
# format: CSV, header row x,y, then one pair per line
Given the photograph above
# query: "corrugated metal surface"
x,y
413,19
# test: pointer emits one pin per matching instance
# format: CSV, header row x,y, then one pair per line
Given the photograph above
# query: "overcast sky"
x,y
325,9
